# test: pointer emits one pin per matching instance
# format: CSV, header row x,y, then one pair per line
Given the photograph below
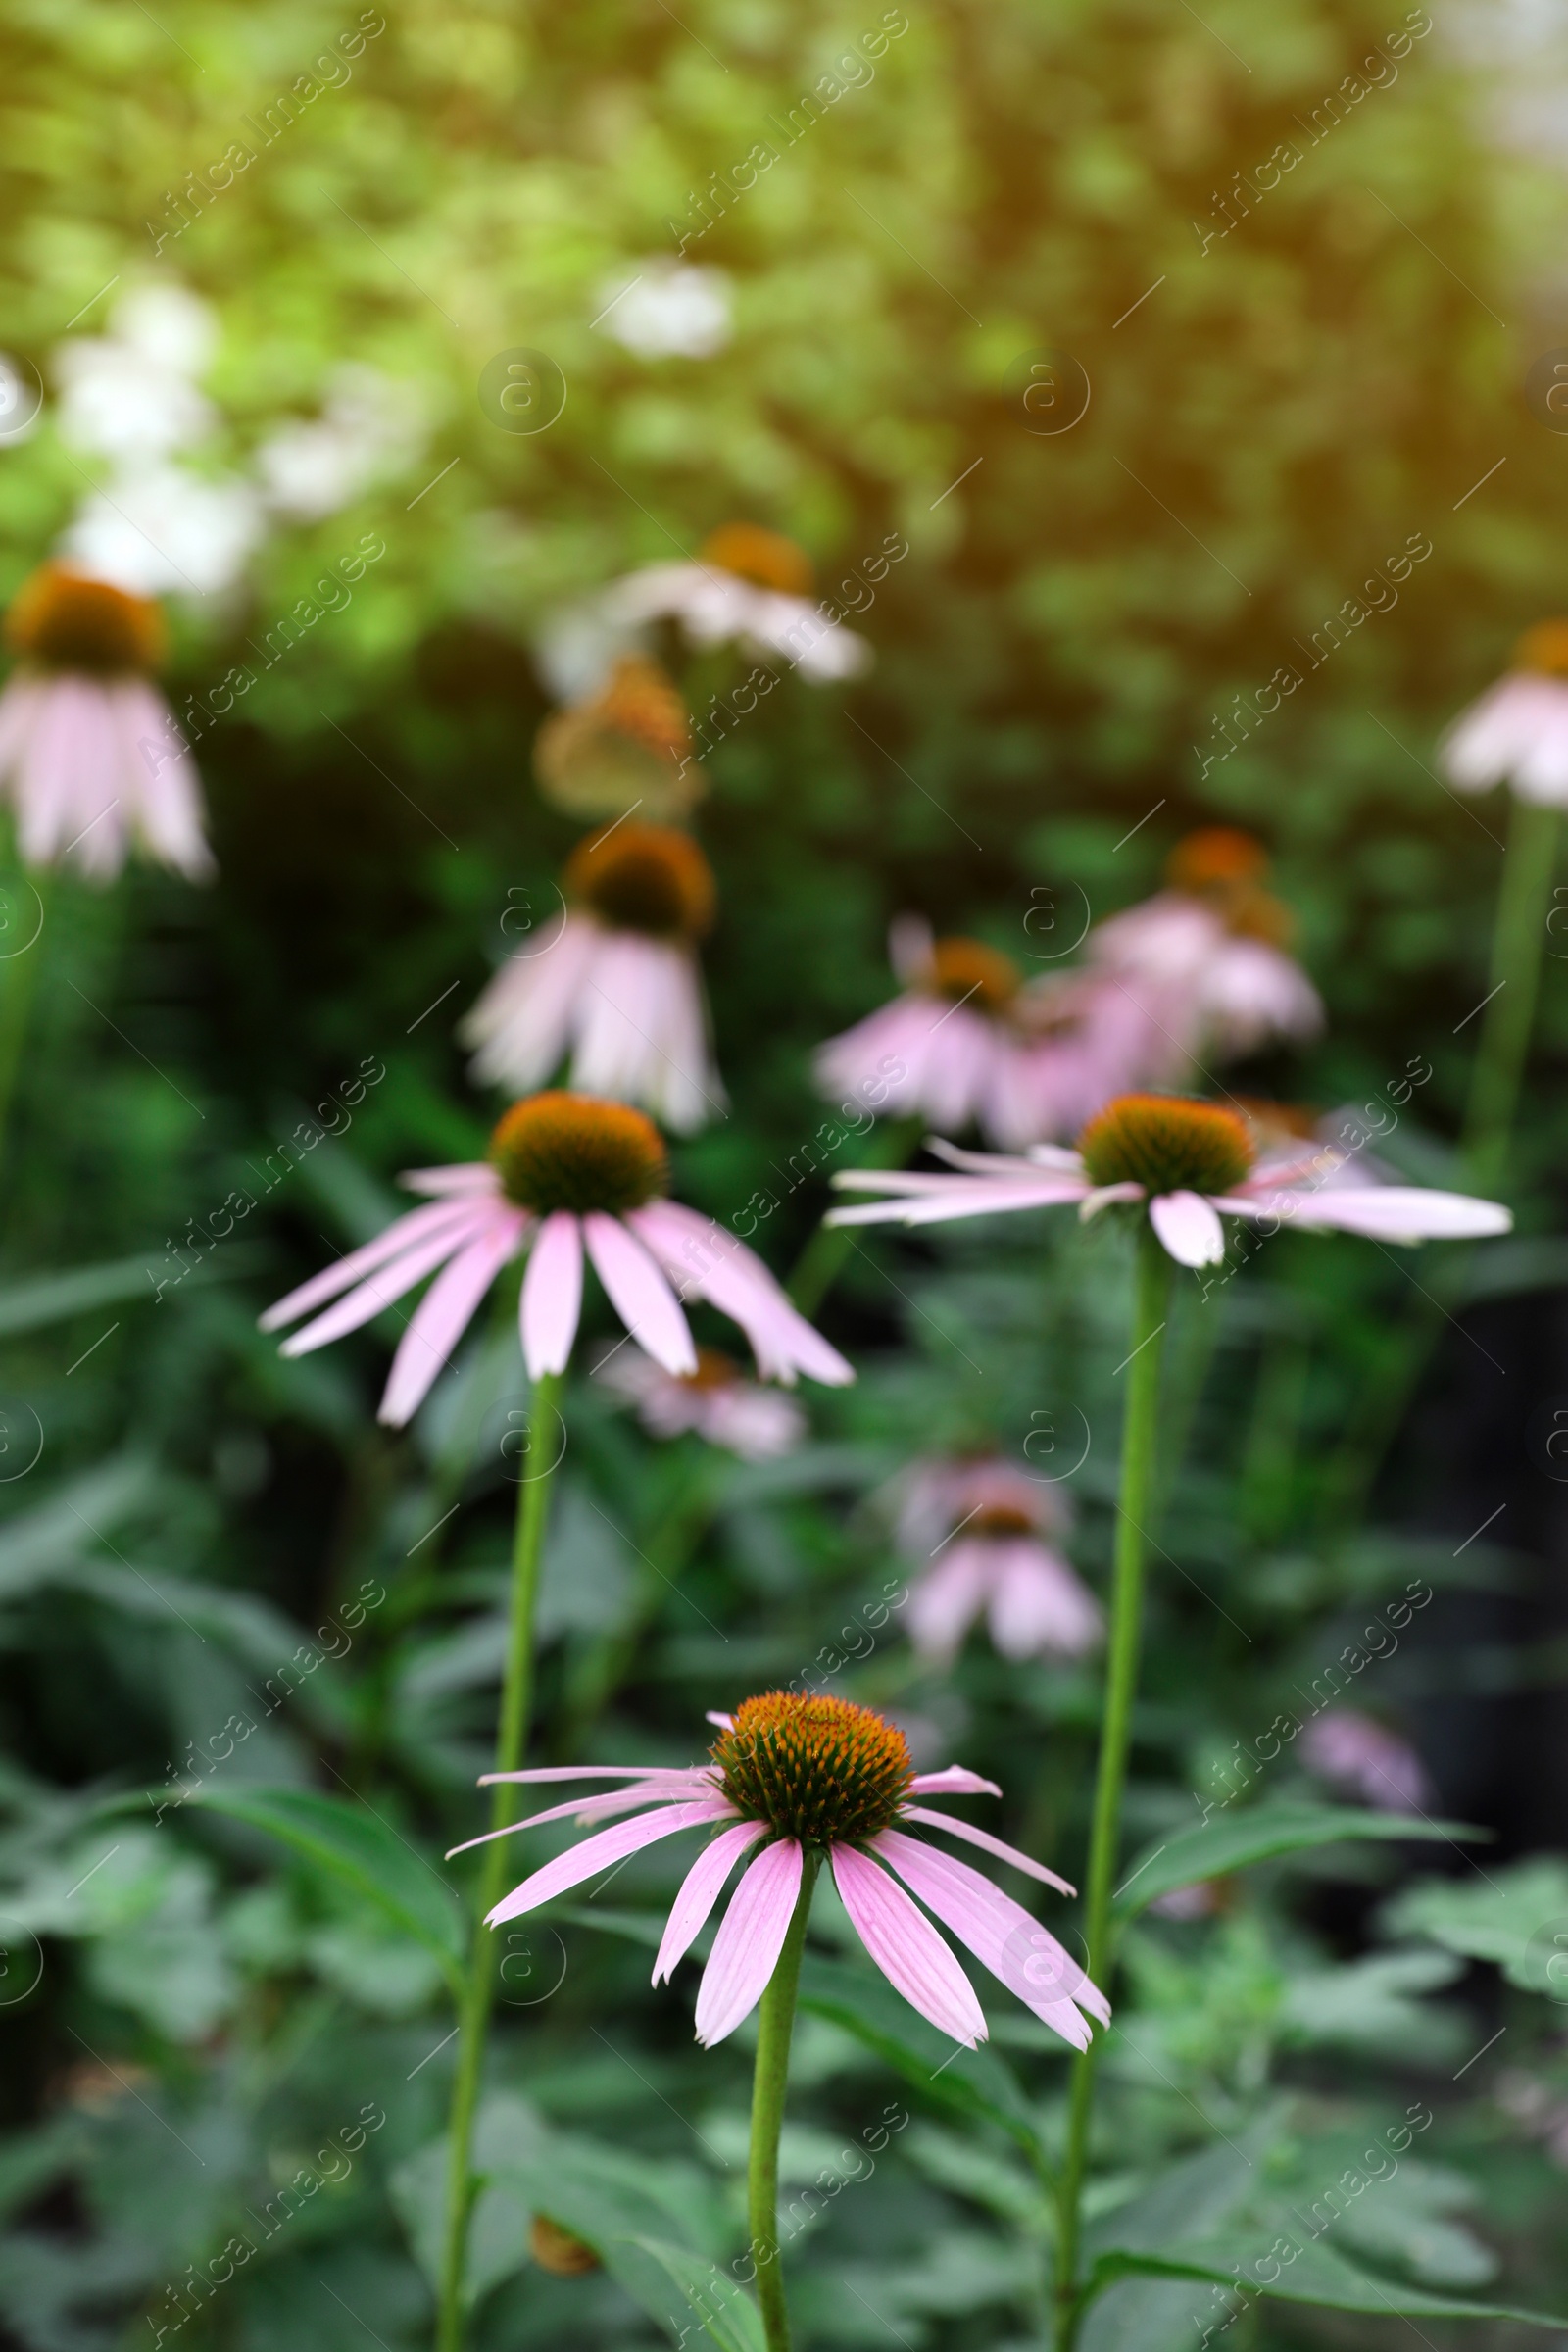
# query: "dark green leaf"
x,y
1260,1833
973,2082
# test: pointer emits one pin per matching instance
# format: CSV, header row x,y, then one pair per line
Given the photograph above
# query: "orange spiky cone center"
x,y
1543,650
823,1770
63,620
766,559
1167,1145
966,970
562,1151
647,878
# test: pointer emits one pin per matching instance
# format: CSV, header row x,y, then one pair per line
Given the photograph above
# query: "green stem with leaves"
x,y
517,1696
775,2026
1518,937
1138,1457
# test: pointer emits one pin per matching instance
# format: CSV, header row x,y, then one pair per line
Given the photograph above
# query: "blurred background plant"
x,y
256,266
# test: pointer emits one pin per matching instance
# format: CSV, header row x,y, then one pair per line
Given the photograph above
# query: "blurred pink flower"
x,y
90,757
1517,733
617,987
789,1774
717,1400
1189,1161
565,1171
988,1557
946,1048
1355,1753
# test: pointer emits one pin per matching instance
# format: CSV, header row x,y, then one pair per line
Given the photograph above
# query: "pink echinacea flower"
x,y
791,1773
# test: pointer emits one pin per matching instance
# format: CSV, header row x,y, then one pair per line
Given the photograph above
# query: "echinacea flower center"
x,y
765,557
563,1151
1167,1145
1215,857
967,971
997,1519
1544,649
822,1770
63,620
645,879
714,1370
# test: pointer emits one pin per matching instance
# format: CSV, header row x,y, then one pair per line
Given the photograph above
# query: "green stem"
x,y
1517,939
776,2026
511,1740
1139,1446
18,979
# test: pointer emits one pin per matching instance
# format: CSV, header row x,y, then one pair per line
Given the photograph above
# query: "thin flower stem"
x,y
776,2026
1139,1449
511,1740
1518,937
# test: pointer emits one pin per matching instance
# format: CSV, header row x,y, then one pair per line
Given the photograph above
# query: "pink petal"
x,y
1386,1212
1189,1229
954,1779
946,1600
586,1809
440,1320
906,1948
598,1853
345,1272
700,1891
1000,1933
992,1846
703,1257
389,1282
747,1946
467,1176
601,1772
551,1294
639,1293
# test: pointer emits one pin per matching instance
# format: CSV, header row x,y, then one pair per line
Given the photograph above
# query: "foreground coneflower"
x,y
566,1173
982,1530
1516,734
717,1400
790,1782
616,987
1179,1166
944,1048
91,758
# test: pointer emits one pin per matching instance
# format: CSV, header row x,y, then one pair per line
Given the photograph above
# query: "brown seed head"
x,y
646,878
966,969
563,1151
1167,1143
62,619
822,1770
765,557
1544,649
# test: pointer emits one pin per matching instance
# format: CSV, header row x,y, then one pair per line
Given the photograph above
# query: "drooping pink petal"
x,y
1055,1158
599,1852
551,1294
1000,1933
588,1808
390,1282
400,1235
639,1293
466,1176
906,1948
703,1257
442,1316
1382,1212
699,1890
522,1023
747,1944
974,1197
955,1780
946,1601
992,1846
604,1772
1038,1603
1189,1229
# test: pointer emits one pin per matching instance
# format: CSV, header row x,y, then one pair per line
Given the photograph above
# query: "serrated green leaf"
x,y
973,2082
1260,1833
361,1850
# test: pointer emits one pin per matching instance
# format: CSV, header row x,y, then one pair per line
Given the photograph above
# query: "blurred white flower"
x,y
1517,732
163,528
131,395
667,310
369,426
1356,1753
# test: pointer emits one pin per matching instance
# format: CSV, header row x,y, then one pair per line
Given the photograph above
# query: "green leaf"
x,y
1138,2303
725,2311
972,2081
1310,2274
1258,1834
364,1853
1517,1916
